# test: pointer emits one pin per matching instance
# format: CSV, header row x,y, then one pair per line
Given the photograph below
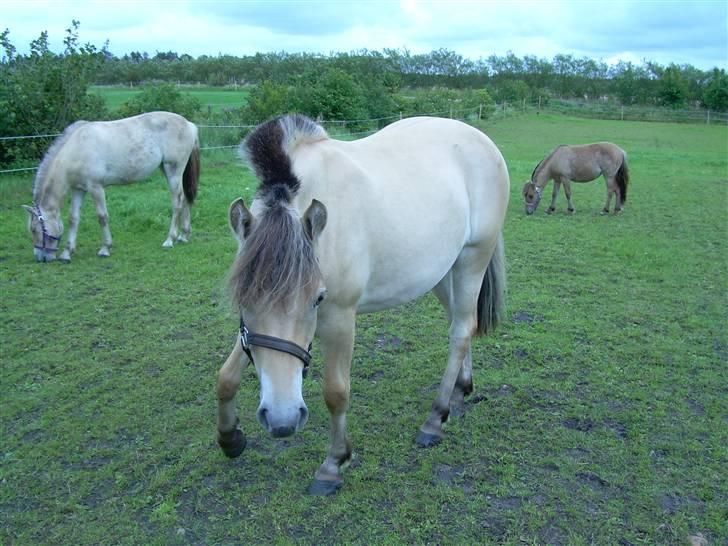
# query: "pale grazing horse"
x,y
89,156
339,228
582,163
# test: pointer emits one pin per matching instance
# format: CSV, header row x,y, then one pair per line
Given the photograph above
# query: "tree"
x,y
46,92
715,96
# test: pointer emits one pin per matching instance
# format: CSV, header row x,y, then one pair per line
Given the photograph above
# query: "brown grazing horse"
x,y
582,163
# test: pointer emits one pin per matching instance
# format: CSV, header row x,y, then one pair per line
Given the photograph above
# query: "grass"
x,y
599,414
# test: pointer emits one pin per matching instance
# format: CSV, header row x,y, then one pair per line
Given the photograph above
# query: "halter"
x,y
46,236
248,339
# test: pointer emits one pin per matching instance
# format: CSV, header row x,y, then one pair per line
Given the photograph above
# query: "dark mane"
x,y
277,260
545,160
267,150
45,165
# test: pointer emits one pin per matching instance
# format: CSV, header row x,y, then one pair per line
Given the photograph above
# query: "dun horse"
x,y
340,228
89,156
583,163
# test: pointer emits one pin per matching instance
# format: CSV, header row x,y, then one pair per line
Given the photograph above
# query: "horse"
x,y
88,156
341,228
582,163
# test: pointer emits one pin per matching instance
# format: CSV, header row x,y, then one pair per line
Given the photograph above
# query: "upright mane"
x,y
45,165
277,260
545,160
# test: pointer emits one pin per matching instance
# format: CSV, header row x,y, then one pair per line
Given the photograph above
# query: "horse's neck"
x,y
49,195
542,175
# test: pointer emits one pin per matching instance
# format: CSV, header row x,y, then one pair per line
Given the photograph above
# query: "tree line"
x,y
43,91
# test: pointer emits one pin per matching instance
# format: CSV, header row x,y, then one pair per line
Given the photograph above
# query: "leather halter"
x,y
249,339
46,236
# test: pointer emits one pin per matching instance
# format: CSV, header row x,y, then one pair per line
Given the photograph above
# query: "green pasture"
x,y
212,98
600,410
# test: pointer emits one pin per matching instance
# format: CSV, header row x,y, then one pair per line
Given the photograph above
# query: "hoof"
x,y
232,443
570,211
549,211
167,244
103,253
324,488
425,439
182,239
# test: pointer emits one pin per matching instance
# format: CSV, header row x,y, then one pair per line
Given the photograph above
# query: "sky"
x,y
683,32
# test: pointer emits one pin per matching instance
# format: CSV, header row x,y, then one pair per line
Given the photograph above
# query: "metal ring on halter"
x,y
249,339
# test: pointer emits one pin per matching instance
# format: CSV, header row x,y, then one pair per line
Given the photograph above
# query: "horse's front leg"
x,y
99,197
554,195
76,202
229,435
336,334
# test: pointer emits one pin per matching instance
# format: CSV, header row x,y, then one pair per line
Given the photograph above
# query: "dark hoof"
x,y
457,411
425,439
570,211
232,443
324,488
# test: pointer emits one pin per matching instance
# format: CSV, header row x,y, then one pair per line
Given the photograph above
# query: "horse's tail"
x,y
623,178
492,297
192,173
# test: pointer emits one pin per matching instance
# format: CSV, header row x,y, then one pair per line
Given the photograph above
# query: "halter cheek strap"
x,y
248,339
46,236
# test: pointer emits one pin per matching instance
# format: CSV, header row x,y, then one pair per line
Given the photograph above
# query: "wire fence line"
x,y
228,136
220,141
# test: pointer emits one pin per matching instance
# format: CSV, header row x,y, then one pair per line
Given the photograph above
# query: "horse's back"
x,y
407,199
128,149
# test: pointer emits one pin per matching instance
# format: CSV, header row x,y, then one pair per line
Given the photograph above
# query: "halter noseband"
x,y
248,339
46,236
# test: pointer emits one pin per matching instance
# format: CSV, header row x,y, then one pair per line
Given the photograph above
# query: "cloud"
x,y
692,32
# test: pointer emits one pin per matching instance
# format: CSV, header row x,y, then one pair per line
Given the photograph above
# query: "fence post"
x,y
539,103
480,112
400,114
622,118
708,121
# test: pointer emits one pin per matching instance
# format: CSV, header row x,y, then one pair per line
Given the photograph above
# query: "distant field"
x,y
600,408
216,98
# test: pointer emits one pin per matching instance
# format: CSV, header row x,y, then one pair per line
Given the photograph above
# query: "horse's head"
x,y
278,287
531,196
46,228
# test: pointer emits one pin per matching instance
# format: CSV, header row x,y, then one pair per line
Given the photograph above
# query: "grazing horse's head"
x,y
278,286
531,196
46,228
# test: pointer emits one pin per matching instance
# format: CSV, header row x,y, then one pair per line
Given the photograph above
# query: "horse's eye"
x,y
318,301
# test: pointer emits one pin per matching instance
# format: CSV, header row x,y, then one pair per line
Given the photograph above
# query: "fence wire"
x,y
219,137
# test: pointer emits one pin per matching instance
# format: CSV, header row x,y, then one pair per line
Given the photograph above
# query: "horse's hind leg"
x,y
467,278
184,237
229,435
174,180
76,202
567,192
464,383
99,197
611,189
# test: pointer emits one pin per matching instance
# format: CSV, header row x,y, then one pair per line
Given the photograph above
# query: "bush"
x,y
165,97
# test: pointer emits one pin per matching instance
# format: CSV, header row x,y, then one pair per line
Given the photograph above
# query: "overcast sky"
x,y
693,32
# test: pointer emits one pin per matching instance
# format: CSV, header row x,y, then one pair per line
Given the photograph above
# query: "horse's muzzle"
x,y
281,426
43,256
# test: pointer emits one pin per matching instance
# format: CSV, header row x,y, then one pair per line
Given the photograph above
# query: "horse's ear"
x,y
30,209
314,219
241,220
